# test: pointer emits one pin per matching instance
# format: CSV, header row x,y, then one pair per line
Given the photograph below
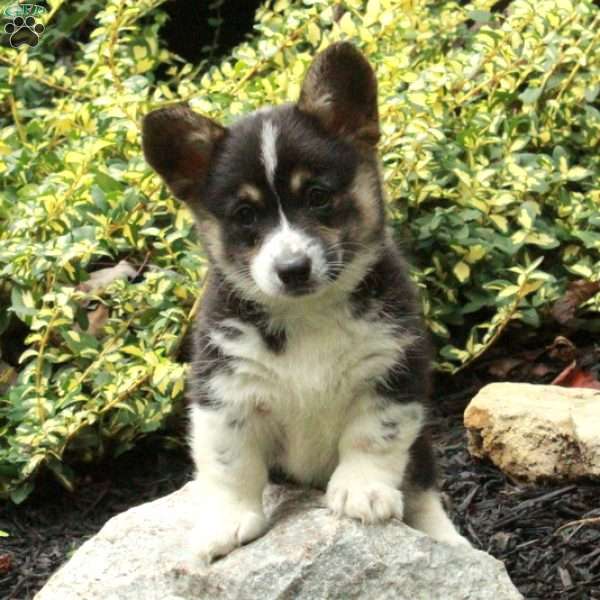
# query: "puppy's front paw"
x,y
370,502
222,527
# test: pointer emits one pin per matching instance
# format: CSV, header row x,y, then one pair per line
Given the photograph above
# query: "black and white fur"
x,y
310,356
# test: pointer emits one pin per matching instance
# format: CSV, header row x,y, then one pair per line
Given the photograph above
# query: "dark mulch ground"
x,y
520,525
524,525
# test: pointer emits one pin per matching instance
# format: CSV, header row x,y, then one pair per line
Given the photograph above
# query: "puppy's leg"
x,y
373,454
423,506
424,511
231,476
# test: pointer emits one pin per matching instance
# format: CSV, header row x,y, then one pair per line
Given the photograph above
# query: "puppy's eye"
x,y
245,215
318,197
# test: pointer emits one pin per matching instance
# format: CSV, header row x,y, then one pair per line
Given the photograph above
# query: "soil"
x,y
527,527
547,536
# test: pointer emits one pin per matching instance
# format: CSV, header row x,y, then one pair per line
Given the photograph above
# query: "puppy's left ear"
x,y
180,145
340,90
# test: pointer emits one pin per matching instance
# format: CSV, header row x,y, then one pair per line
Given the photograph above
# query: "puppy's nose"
x,y
294,271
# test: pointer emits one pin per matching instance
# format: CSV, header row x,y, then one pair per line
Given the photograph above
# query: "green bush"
x,y
490,154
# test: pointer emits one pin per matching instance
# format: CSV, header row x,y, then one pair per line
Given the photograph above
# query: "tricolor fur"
x,y
310,356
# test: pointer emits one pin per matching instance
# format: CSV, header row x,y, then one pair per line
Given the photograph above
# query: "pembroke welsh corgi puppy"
x,y
310,355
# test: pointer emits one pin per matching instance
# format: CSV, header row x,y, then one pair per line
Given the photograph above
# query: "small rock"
x,y
536,432
307,553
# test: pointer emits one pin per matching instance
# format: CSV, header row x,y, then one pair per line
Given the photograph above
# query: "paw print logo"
x,y
23,27
24,30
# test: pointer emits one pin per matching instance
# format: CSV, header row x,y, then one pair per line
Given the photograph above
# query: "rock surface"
x,y
307,553
536,432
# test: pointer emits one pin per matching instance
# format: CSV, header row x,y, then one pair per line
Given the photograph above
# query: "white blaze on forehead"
x,y
268,148
285,241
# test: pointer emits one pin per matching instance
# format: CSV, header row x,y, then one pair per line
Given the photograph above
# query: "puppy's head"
x,y
287,198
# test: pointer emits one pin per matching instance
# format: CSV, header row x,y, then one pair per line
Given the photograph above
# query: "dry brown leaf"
x,y
578,292
574,376
5,563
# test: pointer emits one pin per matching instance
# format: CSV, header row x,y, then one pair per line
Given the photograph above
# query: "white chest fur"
x,y
301,398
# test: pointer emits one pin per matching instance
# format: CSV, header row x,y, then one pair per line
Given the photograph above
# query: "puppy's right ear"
x,y
340,91
179,145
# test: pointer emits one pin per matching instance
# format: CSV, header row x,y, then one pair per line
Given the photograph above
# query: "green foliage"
x,y
491,129
79,197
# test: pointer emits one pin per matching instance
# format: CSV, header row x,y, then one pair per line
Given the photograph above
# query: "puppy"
x,y
310,356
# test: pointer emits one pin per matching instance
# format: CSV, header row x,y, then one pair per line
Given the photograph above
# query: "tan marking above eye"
x,y
298,179
250,193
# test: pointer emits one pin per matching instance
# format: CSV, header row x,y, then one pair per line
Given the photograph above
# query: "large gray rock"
x,y
307,553
536,432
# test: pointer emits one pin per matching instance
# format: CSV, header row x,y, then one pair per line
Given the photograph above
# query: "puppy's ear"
x,y
179,145
340,90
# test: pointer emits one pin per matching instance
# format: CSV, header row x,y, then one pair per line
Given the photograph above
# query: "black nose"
x,y
295,271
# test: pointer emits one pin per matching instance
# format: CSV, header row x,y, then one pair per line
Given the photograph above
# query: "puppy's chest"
x,y
301,393
318,364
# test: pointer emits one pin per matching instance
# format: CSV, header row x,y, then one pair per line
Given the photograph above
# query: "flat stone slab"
x,y
307,553
536,432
